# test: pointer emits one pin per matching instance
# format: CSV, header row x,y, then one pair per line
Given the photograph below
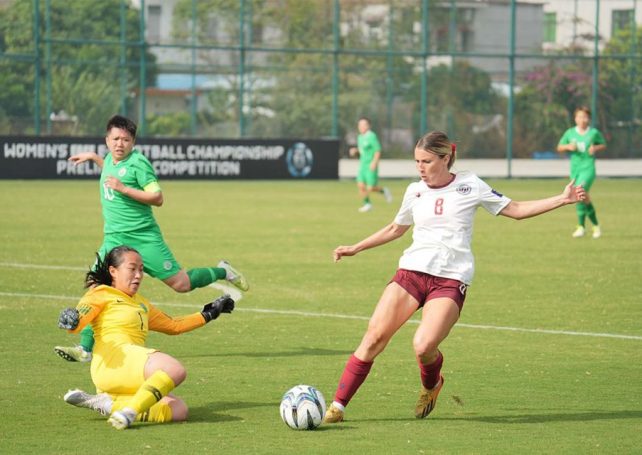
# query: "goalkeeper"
x,y
128,190
132,382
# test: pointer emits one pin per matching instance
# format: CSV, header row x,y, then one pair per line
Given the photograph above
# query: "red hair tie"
x,y
453,148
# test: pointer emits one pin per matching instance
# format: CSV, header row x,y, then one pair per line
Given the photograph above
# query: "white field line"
x,y
346,316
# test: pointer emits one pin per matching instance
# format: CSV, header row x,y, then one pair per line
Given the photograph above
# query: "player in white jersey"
x,y
435,270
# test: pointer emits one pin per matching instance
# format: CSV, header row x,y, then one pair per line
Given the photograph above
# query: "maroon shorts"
x,y
424,287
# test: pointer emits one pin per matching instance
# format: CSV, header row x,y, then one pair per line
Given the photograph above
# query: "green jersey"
x,y
368,145
581,158
122,213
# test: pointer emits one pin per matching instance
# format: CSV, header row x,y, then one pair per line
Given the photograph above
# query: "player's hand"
x,y
373,166
81,157
68,319
353,152
212,310
591,150
114,184
571,147
573,194
341,251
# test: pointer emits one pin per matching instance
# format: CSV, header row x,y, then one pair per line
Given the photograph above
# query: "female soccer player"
x,y
133,382
128,190
582,142
369,151
435,270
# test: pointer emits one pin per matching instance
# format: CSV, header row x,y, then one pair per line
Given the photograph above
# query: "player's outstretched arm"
x,y
519,210
87,156
161,322
387,234
212,310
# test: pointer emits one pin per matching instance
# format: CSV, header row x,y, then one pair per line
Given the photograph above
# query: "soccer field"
x,y
546,358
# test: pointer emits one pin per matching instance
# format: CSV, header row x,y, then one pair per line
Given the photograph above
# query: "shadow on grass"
x,y
298,352
214,412
553,417
527,418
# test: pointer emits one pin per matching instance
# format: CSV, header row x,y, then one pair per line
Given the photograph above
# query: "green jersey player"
x,y
128,189
582,142
369,151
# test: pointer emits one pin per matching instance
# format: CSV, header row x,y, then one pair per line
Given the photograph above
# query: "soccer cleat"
x,y
333,415
428,399
387,194
234,276
73,353
579,232
122,419
365,208
597,232
101,402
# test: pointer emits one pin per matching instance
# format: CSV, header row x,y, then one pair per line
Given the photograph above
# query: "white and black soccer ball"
x,y
303,407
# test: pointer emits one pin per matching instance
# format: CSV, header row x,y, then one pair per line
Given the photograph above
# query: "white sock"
x,y
339,406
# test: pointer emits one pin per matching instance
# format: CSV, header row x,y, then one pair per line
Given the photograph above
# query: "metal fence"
x,y
501,77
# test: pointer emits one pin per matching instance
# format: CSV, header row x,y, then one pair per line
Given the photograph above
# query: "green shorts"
x,y
584,176
158,260
368,177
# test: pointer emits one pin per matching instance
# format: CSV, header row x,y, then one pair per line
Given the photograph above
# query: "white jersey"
x,y
443,225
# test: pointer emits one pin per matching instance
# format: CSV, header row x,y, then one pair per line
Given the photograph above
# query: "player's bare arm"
x,y
154,198
87,156
527,209
387,234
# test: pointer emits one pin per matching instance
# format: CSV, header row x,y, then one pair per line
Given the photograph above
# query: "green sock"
x,y
87,338
590,211
366,200
581,213
203,276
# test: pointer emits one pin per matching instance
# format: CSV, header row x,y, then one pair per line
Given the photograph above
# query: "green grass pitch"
x,y
563,376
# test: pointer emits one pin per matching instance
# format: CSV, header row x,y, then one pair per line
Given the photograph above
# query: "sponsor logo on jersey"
x,y
497,193
299,160
464,189
122,172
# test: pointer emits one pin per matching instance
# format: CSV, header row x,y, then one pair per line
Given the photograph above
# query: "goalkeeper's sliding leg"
x,y
168,409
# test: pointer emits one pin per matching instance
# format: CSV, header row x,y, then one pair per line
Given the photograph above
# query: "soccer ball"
x,y
302,407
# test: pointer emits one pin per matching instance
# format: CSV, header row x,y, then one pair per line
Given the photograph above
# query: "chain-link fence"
x,y
502,78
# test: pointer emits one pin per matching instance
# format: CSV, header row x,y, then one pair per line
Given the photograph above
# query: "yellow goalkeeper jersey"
x,y
118,318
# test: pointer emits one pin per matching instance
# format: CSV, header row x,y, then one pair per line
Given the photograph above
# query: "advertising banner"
x,y
47,157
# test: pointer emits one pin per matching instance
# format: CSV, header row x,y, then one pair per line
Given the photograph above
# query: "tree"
x,y
620,98
84,74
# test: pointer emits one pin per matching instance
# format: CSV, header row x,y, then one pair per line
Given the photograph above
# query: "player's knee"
x,y
425,347
178,373
182,286
180,410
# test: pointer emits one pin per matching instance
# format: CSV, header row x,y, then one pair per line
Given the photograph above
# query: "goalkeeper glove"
x,y
68,319
212,310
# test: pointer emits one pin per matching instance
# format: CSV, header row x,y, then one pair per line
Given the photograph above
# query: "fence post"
x,y
142,121
596,59
192,104
425,47
511,88
122,73
38,63
48,104
335,69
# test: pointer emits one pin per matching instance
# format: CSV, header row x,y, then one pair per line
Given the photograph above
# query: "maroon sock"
x,y
353,376
430,373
